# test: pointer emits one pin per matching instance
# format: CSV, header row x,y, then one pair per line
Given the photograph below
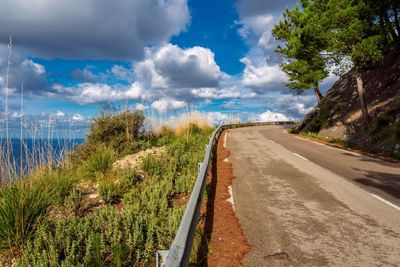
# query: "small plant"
x,y
73,201
151,165
99,163
108,191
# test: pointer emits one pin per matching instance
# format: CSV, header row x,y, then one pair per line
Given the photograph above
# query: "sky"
x,y
70,58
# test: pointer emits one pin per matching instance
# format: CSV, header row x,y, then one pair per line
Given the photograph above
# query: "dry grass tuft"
x,y
187,121
180,125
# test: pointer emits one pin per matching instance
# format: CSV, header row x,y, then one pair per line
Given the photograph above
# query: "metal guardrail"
x,y
179,253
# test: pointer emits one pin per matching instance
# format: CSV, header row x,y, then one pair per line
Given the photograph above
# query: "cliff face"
x,y
339,114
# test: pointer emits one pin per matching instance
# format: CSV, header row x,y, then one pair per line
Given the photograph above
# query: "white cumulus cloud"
x,y
86,93
270,116
171,71
164,105
77,117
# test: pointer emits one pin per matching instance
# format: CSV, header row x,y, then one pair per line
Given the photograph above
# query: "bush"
x,y
105,238
116,129
73,201
23,204
99,163
108,190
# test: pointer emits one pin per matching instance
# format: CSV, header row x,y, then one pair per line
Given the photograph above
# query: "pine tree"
x,y
303,44
354,36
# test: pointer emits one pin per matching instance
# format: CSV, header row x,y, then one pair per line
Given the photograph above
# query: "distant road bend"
x,y
301,203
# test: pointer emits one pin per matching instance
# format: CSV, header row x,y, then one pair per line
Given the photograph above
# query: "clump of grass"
x,y
189,121
164,130
23,205
181,125
98,163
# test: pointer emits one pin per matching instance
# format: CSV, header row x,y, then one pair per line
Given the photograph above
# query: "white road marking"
x,y
225,138
230,199
386,202
300,156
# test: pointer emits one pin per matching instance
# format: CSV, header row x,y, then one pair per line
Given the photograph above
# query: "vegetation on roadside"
x,y
344,144
89,212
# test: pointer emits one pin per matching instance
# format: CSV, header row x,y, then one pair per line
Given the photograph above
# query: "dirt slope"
x,y
339,114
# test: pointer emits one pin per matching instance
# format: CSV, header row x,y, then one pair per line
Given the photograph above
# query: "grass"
x,y
22,207
134,214
98,163
326,139
345,144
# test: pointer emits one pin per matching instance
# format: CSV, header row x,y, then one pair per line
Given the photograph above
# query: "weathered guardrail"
x,y
179,253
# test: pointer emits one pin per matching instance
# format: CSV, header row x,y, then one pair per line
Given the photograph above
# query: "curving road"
x,y
301,203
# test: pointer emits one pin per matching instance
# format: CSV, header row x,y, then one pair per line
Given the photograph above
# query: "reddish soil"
x,y
225,237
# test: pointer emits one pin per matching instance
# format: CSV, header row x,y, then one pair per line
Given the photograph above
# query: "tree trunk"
x,y
361,95
382,25
318,94
396,20
390,27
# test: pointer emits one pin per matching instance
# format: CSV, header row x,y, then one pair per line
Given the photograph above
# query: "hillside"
x,y
339,115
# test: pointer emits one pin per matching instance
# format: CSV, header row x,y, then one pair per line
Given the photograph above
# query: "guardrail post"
x,y
161,258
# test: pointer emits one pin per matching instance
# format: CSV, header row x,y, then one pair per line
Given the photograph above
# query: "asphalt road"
x,y
305,204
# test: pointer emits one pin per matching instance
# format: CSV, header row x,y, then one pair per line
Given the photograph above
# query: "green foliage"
x,y
386,127
115,129
394,131
22,207
98,163
353,33
322,120
105,238
128,237
72,202
328,139
120,131
108,190
303,42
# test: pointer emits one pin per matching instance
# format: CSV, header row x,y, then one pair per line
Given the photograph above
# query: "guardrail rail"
x,y
178,254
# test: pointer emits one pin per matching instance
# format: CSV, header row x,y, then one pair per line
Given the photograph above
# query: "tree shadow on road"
x,y
389,183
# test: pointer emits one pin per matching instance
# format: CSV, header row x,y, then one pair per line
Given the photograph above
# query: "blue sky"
x,y
74,57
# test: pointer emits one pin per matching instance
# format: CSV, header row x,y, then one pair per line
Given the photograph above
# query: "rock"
x,y
135,160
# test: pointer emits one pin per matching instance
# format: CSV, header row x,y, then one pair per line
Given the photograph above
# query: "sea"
x,y
28,153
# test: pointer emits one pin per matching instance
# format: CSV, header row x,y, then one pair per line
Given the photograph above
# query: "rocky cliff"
x,y
339,114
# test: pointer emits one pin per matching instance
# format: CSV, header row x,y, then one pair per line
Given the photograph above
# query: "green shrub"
x,y
98,163
72,202
379,123
108,191
394,131
151,165
23,205
127,179
105,238
129,237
